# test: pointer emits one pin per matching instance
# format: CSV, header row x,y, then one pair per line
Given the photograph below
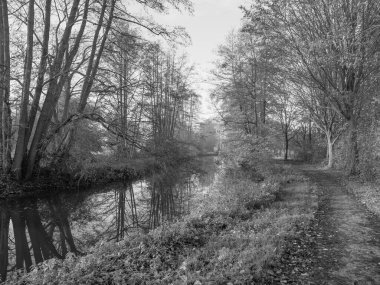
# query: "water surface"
x,y
36,229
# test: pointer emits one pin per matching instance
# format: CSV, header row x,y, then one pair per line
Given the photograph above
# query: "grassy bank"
x,y
235,234
368,193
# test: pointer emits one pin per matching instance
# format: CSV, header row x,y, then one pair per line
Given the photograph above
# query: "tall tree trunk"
x,y
53,92
91,72
2,80
41,71
21,144
330,155
263,111
67,96
65,81
286,144
310,141
6,120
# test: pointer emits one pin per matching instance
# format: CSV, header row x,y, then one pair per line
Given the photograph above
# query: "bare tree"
x,y
335,43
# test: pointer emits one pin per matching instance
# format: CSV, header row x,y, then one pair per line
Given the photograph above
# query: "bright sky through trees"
x,y
208,27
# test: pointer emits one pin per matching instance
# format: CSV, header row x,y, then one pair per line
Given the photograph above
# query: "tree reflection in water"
x,y
168,199
34,230
146,205
126,208
27,239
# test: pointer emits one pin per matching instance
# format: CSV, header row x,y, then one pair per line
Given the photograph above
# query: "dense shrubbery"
x,y
113,167
233,234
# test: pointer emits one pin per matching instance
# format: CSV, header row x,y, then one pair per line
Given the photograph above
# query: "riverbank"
x,y
236,232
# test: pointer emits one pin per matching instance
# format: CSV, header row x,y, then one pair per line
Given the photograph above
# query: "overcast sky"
x,y
208,27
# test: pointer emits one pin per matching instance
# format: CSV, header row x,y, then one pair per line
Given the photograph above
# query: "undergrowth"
x,y
368,193
237,230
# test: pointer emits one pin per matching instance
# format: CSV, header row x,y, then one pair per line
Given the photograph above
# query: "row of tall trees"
x,y
65,59
146,96
321,69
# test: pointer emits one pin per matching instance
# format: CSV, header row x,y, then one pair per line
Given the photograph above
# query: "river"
x,y
36,229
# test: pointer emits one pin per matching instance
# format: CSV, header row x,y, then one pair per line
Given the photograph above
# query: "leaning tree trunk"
x,y
41,71
21,144
92,69
52,94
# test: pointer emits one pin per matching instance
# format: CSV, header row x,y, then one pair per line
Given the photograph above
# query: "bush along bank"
x,y
231,237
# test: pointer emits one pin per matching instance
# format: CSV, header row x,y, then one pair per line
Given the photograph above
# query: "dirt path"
x,y
342,246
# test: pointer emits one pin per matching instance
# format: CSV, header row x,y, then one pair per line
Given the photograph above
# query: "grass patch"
x,y
238,230
368,193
